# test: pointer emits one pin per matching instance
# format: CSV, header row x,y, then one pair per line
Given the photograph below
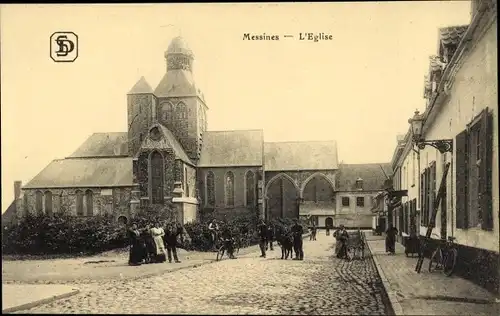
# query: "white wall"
x,y
474,88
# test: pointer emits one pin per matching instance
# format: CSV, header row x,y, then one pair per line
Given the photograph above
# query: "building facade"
x,y
168,159
462,106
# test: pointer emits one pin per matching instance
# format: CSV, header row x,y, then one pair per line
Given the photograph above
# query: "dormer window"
x,y
359,184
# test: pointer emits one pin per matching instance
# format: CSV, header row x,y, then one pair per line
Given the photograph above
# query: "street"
x,y
320,284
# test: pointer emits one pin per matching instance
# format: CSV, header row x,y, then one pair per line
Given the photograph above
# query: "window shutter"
x,y
461,179
432,194
485,171
422,200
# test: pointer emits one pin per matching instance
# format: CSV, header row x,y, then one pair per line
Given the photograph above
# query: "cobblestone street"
x,y
250,285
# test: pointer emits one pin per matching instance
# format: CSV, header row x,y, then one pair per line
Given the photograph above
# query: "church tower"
x,y
140,113
181,105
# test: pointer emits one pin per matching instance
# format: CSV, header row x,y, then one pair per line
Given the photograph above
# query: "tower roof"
x,y
142,86
179,46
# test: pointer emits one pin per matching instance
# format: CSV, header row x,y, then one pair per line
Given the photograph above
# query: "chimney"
x,y
17,189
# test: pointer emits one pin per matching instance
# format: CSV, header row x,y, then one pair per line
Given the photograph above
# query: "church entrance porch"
x,y
282,199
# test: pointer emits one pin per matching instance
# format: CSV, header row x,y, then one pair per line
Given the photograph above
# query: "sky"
x,y
358,89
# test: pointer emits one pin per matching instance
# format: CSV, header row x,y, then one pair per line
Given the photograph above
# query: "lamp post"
x,y
417,123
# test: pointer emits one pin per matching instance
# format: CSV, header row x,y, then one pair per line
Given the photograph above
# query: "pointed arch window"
x,y
89,201
157,181
250,189
167,110
48,203
79,203
229,188
181,111
210,183
38,201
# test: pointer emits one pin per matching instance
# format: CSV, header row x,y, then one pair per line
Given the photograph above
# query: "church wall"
x,y
172,171
114,201
188,180
301,178
239,187
190,212
139,119
180,115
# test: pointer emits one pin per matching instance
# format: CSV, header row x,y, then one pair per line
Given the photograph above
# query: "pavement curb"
x,y
393,299
40,302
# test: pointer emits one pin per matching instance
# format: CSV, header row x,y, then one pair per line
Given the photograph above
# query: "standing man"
x,y
297,232
171,242
270,236
262,231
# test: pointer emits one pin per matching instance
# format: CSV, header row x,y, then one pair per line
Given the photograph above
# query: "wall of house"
x,y
353,215
106,201
475,87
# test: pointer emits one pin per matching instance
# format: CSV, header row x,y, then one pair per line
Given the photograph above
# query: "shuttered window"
x,y
486,171
432,193
422,201
474,204
461,179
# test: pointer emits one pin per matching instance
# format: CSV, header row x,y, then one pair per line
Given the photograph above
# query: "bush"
x,y
62,234
200,235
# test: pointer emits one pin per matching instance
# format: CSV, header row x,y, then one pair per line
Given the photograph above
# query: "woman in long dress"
x,y
136,250
149,244
157,233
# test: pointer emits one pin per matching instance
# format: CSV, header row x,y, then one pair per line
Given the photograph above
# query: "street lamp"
x,y
417,123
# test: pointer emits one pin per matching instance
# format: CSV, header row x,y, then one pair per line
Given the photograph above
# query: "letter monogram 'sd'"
x,y
64,47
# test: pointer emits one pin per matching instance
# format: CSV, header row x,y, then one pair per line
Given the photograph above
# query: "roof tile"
x,y
232,148
103,145
313,155
84,172
372,175
141,87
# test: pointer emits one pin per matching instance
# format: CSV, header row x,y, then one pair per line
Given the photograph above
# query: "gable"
x,y
164,139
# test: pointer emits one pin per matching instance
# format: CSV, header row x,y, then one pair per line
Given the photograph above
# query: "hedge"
x,y
58,234
38,234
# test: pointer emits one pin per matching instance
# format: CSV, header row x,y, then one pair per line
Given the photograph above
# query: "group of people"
x,y
154,243
268,233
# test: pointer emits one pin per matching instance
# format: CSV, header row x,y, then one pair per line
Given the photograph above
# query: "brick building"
x,y
167,157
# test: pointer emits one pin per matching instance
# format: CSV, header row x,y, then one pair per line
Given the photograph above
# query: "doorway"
x,y
329,222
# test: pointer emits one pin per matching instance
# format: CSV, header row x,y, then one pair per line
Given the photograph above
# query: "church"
x,y
168,157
